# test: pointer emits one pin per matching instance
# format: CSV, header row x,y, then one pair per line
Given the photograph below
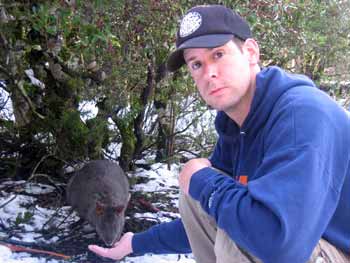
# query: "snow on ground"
x,y
6,110
12,209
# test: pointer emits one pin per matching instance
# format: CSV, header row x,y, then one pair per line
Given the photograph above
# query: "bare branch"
x,y
9,201
29,101
37,165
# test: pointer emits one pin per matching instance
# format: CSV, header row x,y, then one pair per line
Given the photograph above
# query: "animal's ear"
x,y
119,209
99,208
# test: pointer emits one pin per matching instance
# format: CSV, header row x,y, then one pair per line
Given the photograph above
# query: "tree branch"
x,y
29,101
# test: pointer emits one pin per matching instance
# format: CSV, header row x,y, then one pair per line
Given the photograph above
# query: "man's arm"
x,y
165,238
283,212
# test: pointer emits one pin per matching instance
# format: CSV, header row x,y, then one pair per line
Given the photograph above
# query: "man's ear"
x,y
252,49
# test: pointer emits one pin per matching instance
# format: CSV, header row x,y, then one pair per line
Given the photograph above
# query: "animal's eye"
x,y
119,209
99,209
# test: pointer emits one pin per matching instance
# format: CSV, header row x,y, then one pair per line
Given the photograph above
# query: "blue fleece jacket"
x,y
290,182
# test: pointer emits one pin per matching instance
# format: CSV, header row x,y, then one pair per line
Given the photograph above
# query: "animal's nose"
x,y
109,243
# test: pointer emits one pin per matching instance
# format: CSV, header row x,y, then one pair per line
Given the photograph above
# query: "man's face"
x,y
224,75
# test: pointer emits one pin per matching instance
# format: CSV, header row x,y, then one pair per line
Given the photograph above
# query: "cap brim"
x,y
176,59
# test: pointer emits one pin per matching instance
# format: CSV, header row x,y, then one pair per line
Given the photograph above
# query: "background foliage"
x,y
55,56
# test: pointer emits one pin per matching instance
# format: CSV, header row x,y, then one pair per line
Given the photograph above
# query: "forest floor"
x,y
35,215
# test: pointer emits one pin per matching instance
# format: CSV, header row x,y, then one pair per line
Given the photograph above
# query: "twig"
x,y
4,103
28,100
63,220
3,70
4,204
148,218
2,225
42,175
68,237
148,205
37,165
15,248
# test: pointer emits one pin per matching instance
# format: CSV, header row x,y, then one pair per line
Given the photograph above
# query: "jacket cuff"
x,y
141,243
201,180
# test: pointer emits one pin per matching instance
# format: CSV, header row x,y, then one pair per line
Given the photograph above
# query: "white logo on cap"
x,y
190,23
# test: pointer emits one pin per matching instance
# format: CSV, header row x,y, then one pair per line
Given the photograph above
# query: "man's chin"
x,y
224,108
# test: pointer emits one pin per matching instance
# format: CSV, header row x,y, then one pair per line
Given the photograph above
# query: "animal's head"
x,y
109,222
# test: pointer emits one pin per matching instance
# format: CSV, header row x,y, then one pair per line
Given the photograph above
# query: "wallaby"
x,y
99,192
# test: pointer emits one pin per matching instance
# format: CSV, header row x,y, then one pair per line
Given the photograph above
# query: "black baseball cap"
x,y
207,26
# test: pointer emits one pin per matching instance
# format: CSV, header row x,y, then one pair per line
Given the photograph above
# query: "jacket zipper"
x,y
240,153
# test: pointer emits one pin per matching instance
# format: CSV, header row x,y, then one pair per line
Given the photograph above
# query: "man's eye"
x,y
218,54
196,65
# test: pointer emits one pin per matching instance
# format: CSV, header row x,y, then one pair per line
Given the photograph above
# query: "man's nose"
x,y
212,71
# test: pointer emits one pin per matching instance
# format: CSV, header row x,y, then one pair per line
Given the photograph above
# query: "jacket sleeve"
x,y
282,213
165,238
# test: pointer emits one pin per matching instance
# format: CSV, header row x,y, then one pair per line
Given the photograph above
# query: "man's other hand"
x,y
189,169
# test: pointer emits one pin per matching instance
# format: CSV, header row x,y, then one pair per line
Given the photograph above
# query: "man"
x,y
277,186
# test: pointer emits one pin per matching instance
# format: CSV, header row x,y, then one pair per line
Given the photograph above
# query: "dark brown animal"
x,y
99,192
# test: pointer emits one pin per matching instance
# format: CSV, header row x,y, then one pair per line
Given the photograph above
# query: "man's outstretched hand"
x,y
120,249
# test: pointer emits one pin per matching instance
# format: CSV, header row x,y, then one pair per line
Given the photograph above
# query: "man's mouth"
x,y
216,91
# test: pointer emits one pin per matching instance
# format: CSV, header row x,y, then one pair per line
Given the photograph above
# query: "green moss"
x,y
75,131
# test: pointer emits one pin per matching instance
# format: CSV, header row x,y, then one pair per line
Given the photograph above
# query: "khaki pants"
x,y
212,245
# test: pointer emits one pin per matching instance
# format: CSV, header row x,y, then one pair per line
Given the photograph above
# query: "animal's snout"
x,y
110,230
111,240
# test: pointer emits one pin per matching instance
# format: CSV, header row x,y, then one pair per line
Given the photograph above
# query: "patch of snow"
x,y
6,111
33,79
88,110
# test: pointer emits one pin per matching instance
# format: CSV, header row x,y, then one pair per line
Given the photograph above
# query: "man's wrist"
x,y
199,180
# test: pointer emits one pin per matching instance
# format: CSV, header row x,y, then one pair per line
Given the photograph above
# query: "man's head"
x,y
207,26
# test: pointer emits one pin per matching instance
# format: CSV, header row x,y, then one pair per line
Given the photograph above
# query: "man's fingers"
x,y
113,253
104,252
118,251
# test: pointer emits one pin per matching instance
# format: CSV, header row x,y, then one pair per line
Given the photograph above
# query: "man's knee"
x,y
327,253
187,205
